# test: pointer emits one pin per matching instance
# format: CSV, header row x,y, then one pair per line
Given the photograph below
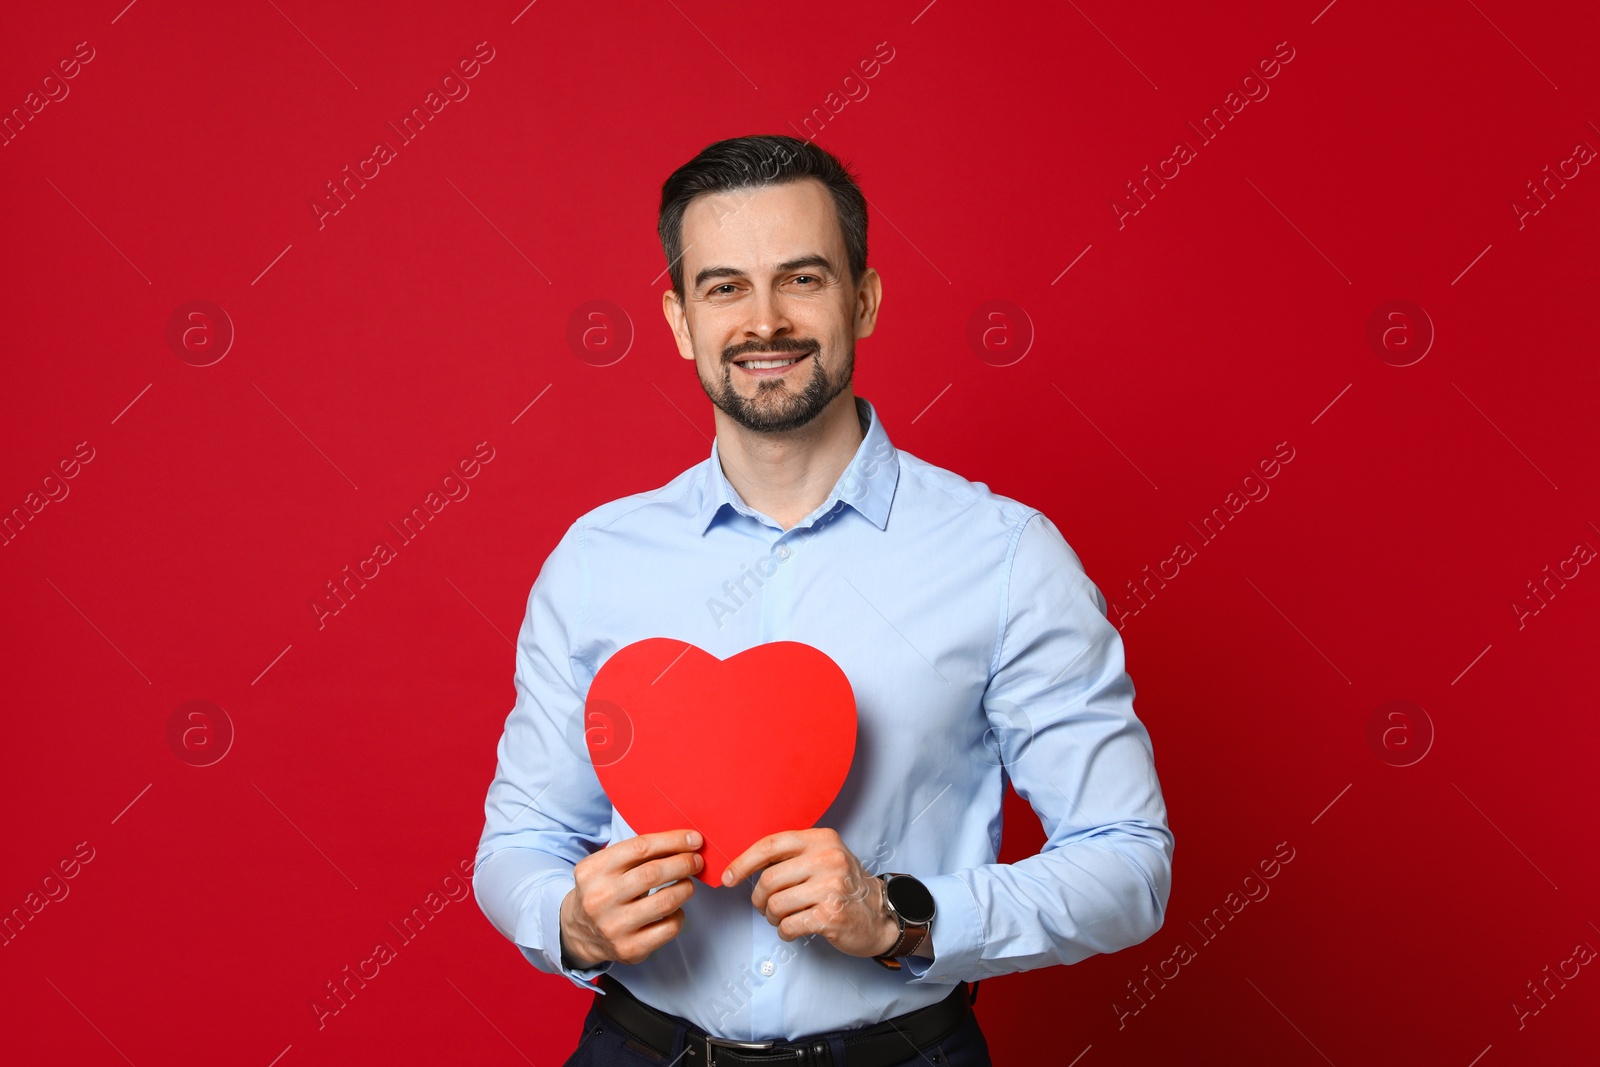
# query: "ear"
x,y
869,296
678,322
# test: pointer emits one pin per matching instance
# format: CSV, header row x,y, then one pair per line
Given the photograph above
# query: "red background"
x,y
373,353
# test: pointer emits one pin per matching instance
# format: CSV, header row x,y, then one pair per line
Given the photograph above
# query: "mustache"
x,y
784,345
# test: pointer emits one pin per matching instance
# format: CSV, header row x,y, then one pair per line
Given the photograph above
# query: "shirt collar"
x,y
867,484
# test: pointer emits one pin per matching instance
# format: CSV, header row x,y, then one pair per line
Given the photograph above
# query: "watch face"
x,y
910,898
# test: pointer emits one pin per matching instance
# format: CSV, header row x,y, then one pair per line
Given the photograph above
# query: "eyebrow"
x,y
813,261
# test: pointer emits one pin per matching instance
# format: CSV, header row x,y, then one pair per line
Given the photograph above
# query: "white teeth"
x,y
769,364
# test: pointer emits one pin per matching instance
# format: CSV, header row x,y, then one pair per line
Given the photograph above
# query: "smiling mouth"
x,y
769,364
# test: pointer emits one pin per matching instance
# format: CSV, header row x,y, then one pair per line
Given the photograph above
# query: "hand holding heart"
x,y
610,914
810,883
690,739
814,884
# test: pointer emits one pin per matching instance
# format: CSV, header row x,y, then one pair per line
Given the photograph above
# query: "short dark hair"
x,y
754,162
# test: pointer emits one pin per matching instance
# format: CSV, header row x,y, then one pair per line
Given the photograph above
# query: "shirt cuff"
x,y
957,933
546,935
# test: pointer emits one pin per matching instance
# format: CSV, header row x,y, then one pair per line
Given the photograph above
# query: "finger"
x,y
640,945
628,854
826,899
664,929
658,905
657,872
769,849
778,877
826,862
802,924
794,900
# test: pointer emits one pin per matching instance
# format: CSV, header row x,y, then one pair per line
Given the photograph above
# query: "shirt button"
x,y
768,968
783,551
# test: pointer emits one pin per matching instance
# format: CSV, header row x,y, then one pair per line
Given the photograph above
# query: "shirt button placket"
x,y
777,593
777,623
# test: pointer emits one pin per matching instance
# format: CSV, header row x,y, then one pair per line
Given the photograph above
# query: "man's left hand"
x,y
813,884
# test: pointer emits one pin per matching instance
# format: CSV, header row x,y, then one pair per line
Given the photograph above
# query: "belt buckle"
x,y
713,1043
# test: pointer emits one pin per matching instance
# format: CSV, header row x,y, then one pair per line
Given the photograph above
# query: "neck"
x,y
788,475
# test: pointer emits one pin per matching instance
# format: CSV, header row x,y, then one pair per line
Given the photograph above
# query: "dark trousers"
x,y
603,1043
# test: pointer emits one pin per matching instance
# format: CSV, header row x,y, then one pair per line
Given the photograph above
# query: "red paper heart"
x,y
738,749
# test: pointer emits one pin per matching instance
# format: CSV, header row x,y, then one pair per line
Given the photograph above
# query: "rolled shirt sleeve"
x,y
1060,702
545,809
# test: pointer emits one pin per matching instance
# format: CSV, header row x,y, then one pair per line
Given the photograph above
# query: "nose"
x,y
768,319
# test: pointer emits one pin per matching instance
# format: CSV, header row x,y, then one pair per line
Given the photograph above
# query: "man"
x,y
977,649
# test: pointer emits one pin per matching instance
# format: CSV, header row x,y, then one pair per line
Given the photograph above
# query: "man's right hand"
x,y
612,915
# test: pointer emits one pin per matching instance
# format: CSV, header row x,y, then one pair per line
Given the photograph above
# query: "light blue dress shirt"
x,y
978,650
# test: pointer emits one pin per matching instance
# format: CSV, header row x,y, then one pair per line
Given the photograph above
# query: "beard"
x,y
775,408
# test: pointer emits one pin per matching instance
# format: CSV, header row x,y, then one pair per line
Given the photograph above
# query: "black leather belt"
x,y
889,1042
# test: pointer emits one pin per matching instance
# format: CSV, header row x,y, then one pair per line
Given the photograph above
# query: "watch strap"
x,y
911,934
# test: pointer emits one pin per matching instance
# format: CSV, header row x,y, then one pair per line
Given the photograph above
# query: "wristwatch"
x,y
910,904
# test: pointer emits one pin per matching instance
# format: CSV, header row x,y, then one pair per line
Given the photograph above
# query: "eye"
x,y
805,277
719,288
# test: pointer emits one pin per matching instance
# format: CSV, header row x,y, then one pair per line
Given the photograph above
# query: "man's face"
x,y
766,278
